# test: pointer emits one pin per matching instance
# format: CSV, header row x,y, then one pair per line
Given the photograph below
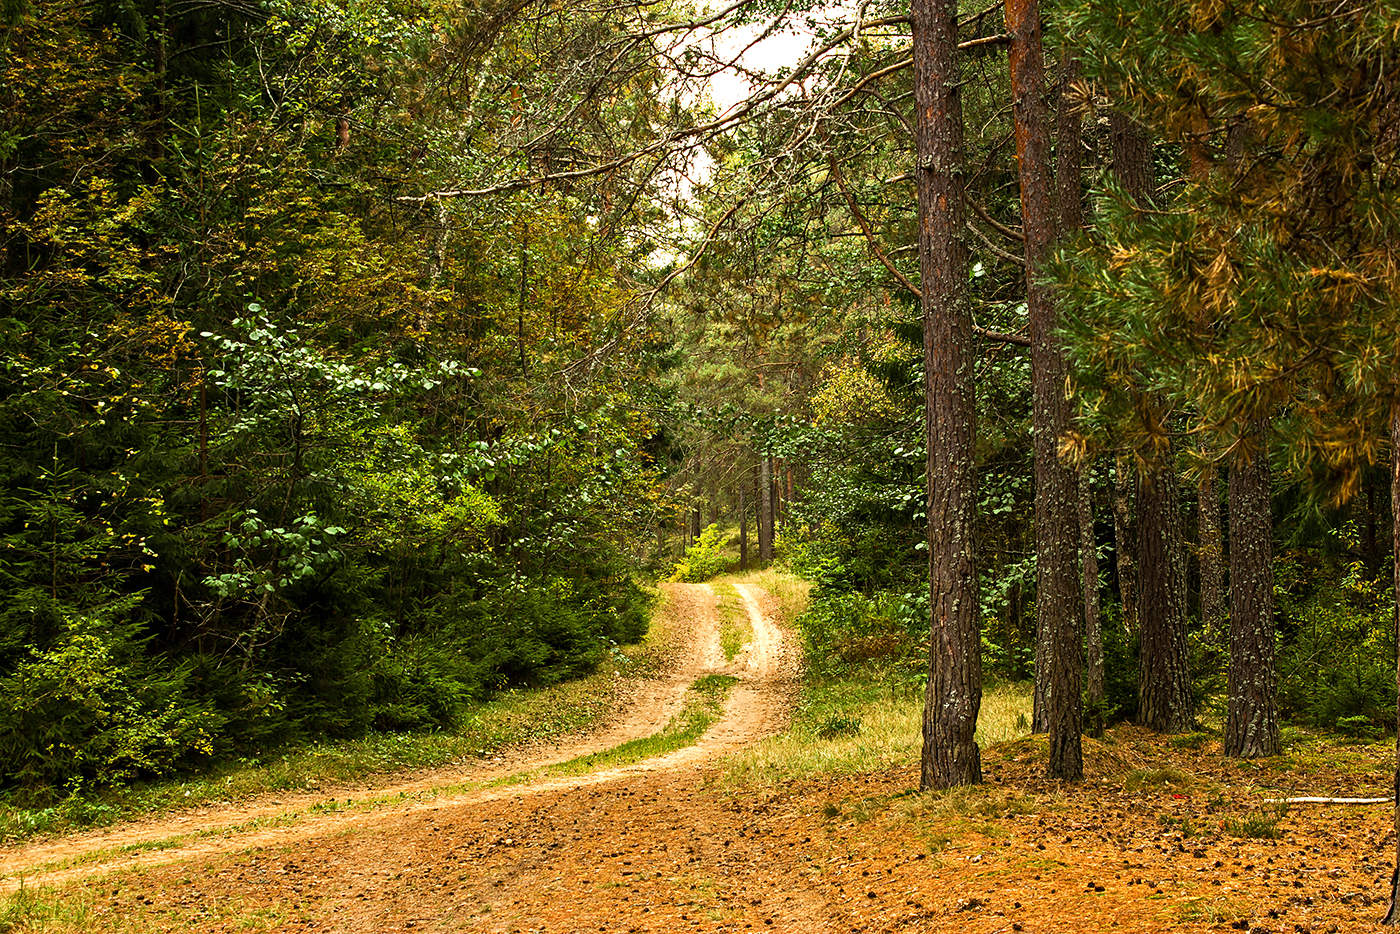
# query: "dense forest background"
x,y
363,359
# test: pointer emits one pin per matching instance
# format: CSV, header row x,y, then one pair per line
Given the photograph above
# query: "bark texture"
x,y
765,509
1164,678
1093,617
1251,721
743,532
1393,915
1211,551
1057,676
954,695
1125,543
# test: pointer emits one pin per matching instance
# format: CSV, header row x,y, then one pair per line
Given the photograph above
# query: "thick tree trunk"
x,y
1125,544
1251,721
954,695
1164,678
1211,551
1393,915
743,532
1056,600
1093,618
694,525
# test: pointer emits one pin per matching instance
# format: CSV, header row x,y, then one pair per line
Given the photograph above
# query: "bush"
x,y
92,707
1336,657
706,558
848,629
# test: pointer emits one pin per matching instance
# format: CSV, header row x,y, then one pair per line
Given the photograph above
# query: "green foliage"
x,y
1335,664
91,706
708,557
842,631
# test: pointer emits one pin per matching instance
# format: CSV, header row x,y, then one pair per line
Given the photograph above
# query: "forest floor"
x,y
739,820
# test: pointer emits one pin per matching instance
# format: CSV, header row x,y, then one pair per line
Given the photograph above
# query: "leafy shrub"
x,y
1335,660
848,629
92,706
706,558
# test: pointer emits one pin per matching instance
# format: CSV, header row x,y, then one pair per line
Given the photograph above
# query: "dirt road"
x,y
385,818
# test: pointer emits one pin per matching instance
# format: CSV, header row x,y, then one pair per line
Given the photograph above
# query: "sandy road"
x,y
756,707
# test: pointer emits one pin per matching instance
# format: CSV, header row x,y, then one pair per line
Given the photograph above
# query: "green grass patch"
x,y
43,910
734,627
863,721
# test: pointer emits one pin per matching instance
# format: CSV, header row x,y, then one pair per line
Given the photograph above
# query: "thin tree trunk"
x,y
1393,915
765,509
1093,618
1164,677
1251,721
1125,544
954,695
1211,551
743,532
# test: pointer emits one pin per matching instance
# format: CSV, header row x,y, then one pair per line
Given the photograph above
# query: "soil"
x,y
1145,845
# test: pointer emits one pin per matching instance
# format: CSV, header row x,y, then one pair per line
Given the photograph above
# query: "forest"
x,y
950,423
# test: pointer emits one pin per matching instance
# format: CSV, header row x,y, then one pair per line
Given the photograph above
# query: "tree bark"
x,y
950,755
1093,618
765,509
1125,544
1164,678
1056,611
1251,721
1211,551
1393,915
743,532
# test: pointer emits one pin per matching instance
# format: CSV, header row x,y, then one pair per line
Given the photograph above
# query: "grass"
x,y
514,717
735,630
858,723
704,704
41,910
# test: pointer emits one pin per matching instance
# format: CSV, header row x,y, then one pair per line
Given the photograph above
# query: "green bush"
x,y
846,629
1335,658
92,707
706,558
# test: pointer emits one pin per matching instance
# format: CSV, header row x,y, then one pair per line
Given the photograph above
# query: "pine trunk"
x,y
1057,617
1164,678
1251,721
1211,551
1125,545
765,509
954,695
743,532
1393,915
1093,618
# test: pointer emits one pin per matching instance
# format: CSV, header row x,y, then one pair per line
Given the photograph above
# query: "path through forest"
x,y
317,821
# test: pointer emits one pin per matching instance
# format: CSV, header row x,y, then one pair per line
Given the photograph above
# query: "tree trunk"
x,y
1393,915
1093,619
954,695
1251,722
1211,551
1057,619
765,509
1125,544
743,532
694,525
1164,678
